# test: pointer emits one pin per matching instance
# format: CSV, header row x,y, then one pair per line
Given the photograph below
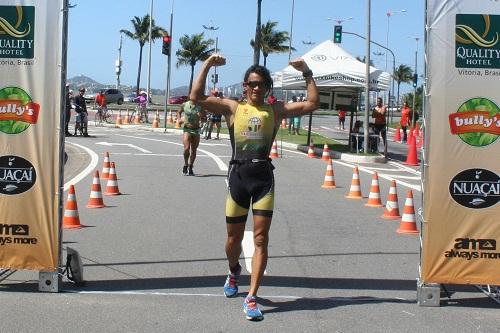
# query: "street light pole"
x,y
211,27
367,82
118,64
389,14
169,62
149,55
415,87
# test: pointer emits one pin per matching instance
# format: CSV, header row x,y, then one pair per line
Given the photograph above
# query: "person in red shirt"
x,y
405,119
100,100
342,115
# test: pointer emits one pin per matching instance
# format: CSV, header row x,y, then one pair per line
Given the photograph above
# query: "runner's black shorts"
x,y
249,183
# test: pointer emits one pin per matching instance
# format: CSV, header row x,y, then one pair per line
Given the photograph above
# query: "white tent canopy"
x,y
332,67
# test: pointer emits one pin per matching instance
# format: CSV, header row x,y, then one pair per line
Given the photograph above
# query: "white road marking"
x,y
360,168
222,166
123,144
248,250
94,158
156,293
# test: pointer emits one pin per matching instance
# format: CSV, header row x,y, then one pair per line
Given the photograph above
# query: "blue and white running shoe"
x,y
251,309
231,285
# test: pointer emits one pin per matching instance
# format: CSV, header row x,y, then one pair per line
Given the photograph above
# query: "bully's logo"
x,y
17,110
17,31
477,41
476,122
17,175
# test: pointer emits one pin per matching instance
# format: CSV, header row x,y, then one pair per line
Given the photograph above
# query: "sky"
x,y
94,34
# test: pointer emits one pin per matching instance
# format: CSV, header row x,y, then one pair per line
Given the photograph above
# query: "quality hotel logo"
x,y
477,41
17,31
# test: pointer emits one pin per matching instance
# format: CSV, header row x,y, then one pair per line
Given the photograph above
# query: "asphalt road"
x,y
154,257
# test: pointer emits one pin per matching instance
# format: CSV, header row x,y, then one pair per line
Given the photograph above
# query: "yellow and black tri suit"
x,y
250,175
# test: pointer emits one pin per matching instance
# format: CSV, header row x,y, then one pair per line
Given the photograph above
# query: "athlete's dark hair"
x,y
262,71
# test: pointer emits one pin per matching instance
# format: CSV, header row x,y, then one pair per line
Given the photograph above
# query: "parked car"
x,y
177,99
130,97
113,96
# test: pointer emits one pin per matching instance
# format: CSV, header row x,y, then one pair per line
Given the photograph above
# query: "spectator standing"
x,y
67,115
342,115
405,119
81,113
379,114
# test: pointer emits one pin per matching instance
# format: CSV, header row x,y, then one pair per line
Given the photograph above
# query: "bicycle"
x,y
101,115
142,111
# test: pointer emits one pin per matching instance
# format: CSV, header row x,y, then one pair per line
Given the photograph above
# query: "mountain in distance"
x,y
93,86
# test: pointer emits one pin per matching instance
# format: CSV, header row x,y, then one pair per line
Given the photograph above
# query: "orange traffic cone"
x,y
374,196
283,123
274,150
391,211
118,119
410,136
170,118
417,130
105,166
155,120
355,190
326,153
397,136
411,158
310,151
421,140
71,218
329,177
112,186
178,122
137,118
95,200
408,225
125,120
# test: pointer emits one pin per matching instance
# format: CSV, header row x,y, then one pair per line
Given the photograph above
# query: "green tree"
x,y
272,41
418,100
141,34
193,49
256,47
403,74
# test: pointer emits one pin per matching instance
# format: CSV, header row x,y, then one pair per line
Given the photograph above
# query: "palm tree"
x,y
402,74
193,49
272,41
256,47
141,34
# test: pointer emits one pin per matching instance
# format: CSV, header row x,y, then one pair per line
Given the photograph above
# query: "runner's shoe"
x,y
185,170
231,285
251,309
190,172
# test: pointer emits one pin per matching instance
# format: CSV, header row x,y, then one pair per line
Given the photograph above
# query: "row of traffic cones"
x,y
71,219
391,211
137,119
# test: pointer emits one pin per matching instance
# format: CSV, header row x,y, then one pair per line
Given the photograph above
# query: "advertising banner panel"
x,y
30,87
461,216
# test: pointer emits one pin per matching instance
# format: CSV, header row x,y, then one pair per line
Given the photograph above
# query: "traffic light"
x,y
337,34
415,79
166,45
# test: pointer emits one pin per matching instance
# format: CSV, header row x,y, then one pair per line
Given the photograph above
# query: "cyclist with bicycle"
x,y
102,106
142,104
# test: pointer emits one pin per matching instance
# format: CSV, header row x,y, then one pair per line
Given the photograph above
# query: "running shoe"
x,y
185,170
191,173
251,309
231,285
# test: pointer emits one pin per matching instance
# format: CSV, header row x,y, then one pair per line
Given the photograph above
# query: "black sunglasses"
x,y
255,84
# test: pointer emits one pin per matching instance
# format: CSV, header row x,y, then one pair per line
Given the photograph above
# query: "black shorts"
x,y
249,182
